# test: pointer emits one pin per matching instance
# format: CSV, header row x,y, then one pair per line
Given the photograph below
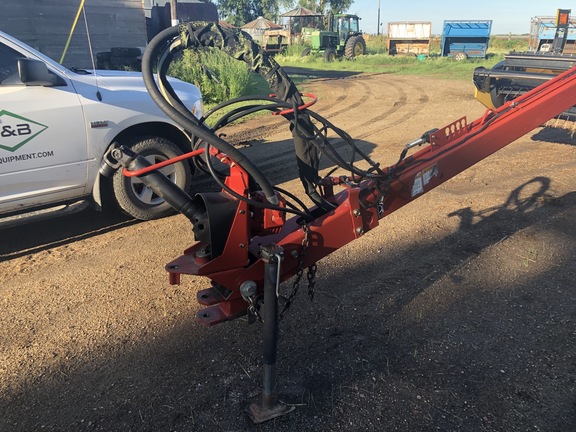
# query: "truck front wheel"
x,y
138,200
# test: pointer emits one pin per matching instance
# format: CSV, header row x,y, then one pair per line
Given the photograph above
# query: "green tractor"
x,y
343,38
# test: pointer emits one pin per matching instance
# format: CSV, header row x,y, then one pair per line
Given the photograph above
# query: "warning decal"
x,y
423,178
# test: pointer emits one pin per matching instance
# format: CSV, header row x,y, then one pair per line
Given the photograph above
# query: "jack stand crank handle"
x,y
425,138
272,258
269,407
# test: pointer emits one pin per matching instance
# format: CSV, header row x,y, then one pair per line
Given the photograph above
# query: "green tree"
x,y
240,12
326,6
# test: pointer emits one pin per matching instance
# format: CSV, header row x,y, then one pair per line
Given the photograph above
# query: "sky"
x,y
508,16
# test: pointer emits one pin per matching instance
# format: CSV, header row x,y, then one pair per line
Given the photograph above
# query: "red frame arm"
x,y
452,149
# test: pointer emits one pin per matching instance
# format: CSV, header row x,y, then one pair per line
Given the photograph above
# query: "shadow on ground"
x,y
318,73
34,237
556,135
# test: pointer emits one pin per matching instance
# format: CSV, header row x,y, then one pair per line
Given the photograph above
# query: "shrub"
x,y
218,76
375,44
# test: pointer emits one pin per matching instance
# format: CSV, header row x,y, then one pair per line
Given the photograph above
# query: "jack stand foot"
x,y
269,408
262,412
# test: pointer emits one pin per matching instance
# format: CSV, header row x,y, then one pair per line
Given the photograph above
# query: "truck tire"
x,y
136,199
355,46
103,56
329,54
120,62
125,52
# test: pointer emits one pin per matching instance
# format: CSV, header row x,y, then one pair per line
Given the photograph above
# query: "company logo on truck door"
x,y
15,130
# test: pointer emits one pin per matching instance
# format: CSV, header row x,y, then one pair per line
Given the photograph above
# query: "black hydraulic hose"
x,y
171,96
309,140
191,124
247,98
241,47
333,154
212,171
238,113
275,104
160,184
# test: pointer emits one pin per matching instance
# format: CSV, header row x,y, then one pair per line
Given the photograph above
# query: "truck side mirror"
x,y
35,73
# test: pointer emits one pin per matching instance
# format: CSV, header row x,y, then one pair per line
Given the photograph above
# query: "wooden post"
x,y
378,24
173,12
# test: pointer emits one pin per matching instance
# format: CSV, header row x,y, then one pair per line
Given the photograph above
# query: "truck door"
x,y
43,149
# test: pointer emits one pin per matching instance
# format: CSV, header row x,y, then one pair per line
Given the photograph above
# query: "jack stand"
x,y
269,407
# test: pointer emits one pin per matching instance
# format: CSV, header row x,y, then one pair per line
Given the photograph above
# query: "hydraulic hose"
x,y
190,123
310,141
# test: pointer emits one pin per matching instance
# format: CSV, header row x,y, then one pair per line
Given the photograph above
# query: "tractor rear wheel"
x,y
355,46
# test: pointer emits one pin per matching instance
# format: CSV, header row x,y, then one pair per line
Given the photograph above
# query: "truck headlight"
x,y
198,108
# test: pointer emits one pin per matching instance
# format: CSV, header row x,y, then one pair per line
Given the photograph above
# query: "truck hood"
x,y
119,80
113,80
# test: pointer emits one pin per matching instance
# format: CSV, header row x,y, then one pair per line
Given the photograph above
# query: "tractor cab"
x,y
345,25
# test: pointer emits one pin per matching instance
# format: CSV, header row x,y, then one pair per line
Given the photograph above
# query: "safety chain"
x,y
286,302
253,311
311,280
311,275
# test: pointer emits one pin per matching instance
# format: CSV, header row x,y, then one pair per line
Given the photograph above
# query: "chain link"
x,y
311,280
311,275
286,302
253,311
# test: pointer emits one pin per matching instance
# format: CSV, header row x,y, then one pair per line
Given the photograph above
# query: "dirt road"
x,y
457,313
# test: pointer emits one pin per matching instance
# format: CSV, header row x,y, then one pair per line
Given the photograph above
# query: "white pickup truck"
x,y
56,124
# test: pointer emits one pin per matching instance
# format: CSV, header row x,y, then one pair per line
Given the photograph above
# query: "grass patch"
x,y
436,66
377,59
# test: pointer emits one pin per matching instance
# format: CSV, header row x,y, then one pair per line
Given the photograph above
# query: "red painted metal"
x,y
162,164
452,149
301,107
